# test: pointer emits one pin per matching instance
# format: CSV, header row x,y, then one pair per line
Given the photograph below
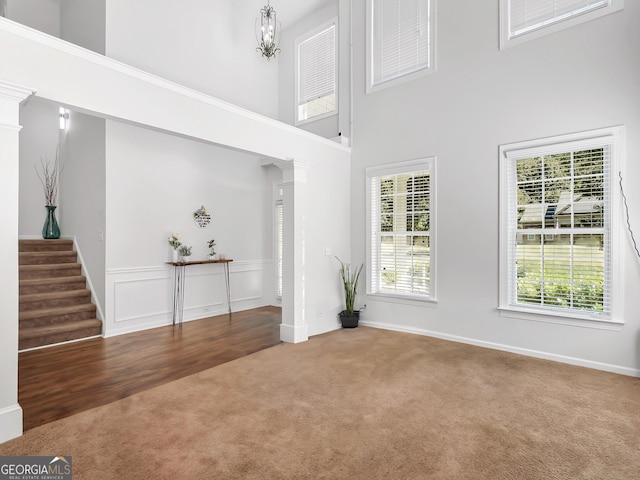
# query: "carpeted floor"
x,y
361,404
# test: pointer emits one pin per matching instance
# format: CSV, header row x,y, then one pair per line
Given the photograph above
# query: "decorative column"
x,y
10,411
294,178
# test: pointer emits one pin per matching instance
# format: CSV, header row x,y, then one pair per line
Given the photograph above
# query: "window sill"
x,y
332,113
405,299
561,318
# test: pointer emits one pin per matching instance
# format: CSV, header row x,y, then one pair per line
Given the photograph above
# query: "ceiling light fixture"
x,y
268,33
64,118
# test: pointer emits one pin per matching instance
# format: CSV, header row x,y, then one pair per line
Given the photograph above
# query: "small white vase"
x,y
174,255
186,258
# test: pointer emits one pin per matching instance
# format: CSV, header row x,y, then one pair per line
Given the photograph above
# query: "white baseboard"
x,y
581,362
293,333
10,423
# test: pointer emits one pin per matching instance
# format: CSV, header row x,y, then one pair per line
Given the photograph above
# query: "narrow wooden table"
x,y
179,271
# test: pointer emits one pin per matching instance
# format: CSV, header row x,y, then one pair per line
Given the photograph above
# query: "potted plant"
x,y
349,317
212,250
185,252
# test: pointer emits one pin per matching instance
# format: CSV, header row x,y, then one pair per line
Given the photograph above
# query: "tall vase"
x,y
51,230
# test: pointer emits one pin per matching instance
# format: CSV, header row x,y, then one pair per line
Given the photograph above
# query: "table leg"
x,y
227,281
181,279
175,295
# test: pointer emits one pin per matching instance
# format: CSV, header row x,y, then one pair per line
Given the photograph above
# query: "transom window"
x,y
525,19
401,233
557,211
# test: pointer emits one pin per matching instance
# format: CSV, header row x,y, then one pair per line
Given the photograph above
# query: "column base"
x,y
10,423
293,334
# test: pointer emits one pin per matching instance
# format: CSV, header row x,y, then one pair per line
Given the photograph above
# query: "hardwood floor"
x,y
59,381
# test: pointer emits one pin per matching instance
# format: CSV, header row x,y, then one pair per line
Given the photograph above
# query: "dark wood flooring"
x,y
59,381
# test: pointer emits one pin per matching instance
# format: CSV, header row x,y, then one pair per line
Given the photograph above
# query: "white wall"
x,y
326,127
38,139
212,51
83,22
480,97
154,183
43,15
327,235
82,194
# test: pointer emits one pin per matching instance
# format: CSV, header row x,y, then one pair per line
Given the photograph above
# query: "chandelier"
x,y
268,33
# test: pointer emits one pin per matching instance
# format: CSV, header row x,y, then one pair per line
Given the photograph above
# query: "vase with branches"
x,y
49,176
212,249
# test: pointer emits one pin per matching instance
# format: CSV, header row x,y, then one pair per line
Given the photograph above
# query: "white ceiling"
x,y
290,11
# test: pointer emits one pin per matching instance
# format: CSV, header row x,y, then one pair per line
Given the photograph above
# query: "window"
x,y
400,41
316,74
557,225
521,20
401,211
279,229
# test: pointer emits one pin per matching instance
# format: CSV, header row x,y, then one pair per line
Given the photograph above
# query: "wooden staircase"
x,y
55,304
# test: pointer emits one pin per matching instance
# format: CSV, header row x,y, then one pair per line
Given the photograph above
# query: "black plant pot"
x,y
349,321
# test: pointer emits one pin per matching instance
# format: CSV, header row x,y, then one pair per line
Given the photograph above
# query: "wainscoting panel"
x,y
142,298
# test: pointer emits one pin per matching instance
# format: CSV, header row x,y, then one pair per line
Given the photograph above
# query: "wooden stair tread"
x,y
47,257
28,282
37,297
34,245
31,332
49,266
50,312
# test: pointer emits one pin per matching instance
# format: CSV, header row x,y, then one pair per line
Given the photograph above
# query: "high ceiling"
x,y
290,11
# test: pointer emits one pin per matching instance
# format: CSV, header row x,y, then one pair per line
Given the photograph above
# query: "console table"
x,y
179,271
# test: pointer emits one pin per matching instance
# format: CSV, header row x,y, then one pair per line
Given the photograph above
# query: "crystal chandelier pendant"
x,y
268,33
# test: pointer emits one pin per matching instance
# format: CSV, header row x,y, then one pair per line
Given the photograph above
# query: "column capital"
x,y
293,169
14,92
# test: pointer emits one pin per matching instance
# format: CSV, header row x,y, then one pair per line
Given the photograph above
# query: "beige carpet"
x,y
361,404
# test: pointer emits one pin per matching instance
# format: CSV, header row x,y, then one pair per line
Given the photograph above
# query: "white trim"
x,y
613,136
85,272
12,91
132,72
404,299
294,333
8,126
506,40
607,367
10,422
41,347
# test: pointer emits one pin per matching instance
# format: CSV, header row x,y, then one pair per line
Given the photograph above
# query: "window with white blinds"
x,y
316,72
520,18
279,240
558,248
400,39
401,229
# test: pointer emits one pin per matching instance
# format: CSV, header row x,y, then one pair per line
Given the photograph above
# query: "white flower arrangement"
x,y
175,240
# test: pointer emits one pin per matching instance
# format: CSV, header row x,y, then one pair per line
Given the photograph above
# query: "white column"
x,y
10,411
294,178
